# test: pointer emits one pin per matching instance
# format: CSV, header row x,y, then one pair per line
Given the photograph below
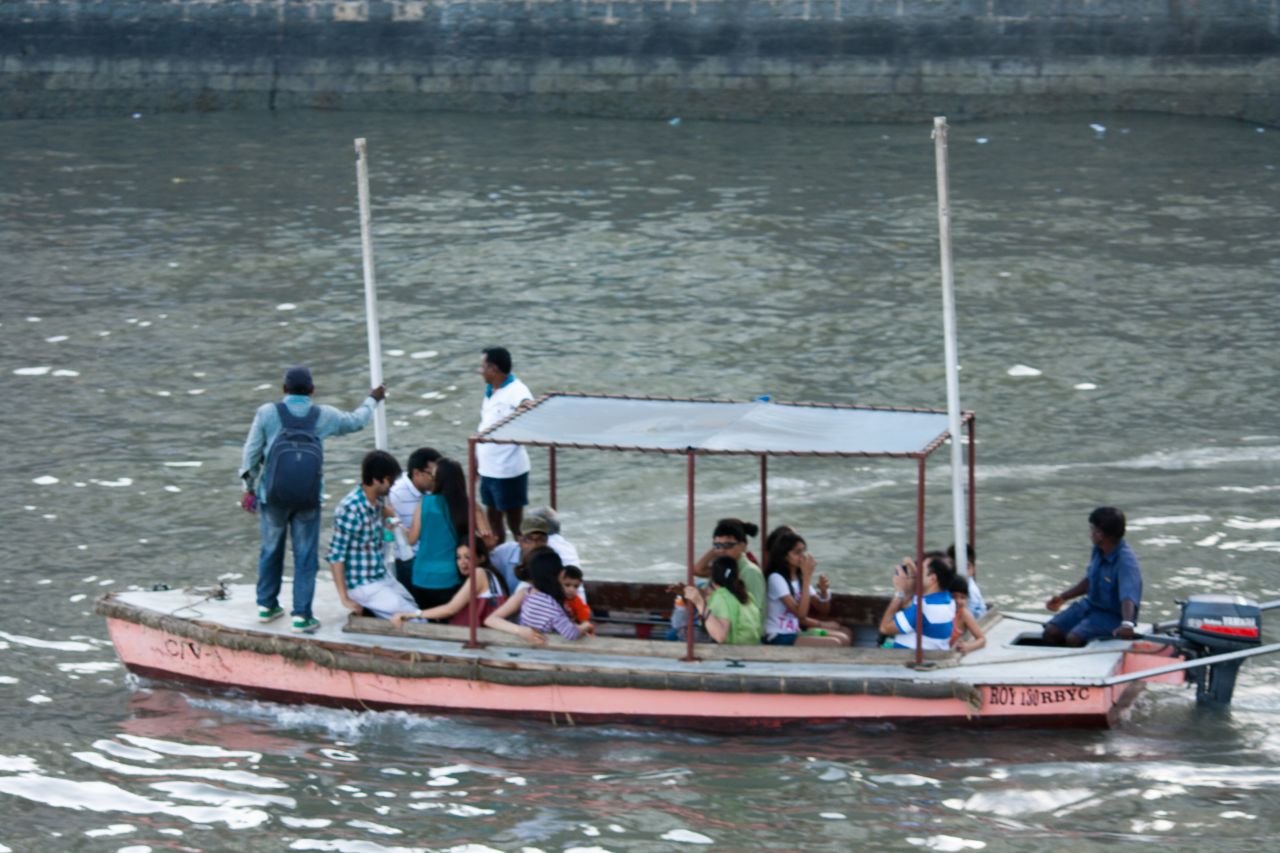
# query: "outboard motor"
x,y
1212,624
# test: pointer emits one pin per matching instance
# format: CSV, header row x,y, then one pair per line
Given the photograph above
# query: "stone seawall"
x,y
824,60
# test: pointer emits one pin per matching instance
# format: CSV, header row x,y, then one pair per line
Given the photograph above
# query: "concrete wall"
x,y
828,60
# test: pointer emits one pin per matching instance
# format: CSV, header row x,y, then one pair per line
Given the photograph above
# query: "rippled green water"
x,y
161,272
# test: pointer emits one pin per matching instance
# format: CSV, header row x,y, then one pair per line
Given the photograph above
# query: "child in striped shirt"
x,y
543,608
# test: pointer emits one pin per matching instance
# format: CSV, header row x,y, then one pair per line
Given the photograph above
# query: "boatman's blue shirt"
x,y
1113,578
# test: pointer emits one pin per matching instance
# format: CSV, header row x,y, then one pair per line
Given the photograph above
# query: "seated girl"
x,y
490,593
965,620
731,614
544,585
790,606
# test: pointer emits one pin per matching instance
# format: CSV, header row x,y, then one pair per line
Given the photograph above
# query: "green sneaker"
x,y
269,614
305,624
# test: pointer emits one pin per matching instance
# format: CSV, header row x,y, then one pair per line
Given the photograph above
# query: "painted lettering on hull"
x,y
1035,697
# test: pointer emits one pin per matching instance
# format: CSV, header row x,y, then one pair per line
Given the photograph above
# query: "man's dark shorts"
x,y
1085,622
506,493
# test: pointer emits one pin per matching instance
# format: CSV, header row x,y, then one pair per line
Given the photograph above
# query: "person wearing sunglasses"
x,y
729,539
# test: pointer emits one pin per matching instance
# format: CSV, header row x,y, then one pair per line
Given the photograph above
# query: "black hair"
x,y
971,554
1109,521
544,568
499,358
378,465
781,541
737,528
451,484
958,585
573,573
422,457
724,572
940,564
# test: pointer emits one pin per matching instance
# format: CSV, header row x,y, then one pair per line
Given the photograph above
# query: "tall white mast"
x,y
370,295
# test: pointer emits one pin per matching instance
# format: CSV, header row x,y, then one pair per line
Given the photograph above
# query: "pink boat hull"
x,y
156,654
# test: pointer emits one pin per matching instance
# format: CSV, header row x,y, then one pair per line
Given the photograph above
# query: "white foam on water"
x,y
465,810
1161,541
121,483
1201,457
451,770
78,597
1025,802
422,413
234,777
195,391
305,822
18,764
432,395
189,463
168,747
286,306
104,334
1152,520
45,480
393,771
1253,524
375,828
443,782
164,393
946,843
1085,386
34,319
56,645
56,339
32,371
832,815
1023,370
1235,815
587,830
1159,825
65,372
426,353
351,846
339,755
129,753
172,489
89,668
263,387
39,699
1248,490
6,679
1212,539
904,780
105,797
213,795
113,829
516,780
395,352
686,836
1250,547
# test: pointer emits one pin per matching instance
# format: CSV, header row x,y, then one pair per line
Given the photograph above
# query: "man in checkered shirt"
x,y
356,550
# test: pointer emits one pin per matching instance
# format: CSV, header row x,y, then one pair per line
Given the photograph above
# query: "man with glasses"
x,y
730,540
1112,587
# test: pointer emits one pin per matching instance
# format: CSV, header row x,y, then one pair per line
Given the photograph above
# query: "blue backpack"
x,y
295,462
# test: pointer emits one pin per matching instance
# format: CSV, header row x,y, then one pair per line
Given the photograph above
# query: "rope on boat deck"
x,y
210,593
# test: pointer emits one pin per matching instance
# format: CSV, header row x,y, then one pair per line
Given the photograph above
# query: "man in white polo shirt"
x,y
504,468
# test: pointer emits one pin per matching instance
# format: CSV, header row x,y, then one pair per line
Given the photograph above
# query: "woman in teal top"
x,y
441,524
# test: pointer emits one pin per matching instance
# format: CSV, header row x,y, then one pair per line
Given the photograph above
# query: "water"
x,y
1118,315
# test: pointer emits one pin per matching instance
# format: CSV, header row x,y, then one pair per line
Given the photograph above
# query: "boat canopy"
x,y
759,427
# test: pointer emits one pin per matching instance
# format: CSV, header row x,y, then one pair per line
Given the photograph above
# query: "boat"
x,y
209,637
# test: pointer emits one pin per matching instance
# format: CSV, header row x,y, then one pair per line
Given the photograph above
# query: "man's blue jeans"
x,y
303,527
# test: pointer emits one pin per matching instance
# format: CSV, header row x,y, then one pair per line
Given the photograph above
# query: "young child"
x,y
964,619
977,604
578,610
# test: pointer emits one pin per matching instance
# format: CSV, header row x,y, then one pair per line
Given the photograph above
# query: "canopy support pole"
x,y
551,468
959,533
973,491
692,629
370,294
764,505
473,612
919,562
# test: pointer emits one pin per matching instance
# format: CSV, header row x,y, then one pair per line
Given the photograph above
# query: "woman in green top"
x,y
731,615
441,524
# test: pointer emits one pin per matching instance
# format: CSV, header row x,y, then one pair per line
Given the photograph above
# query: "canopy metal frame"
x,y
690,453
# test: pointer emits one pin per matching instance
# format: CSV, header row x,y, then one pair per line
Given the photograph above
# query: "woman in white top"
x,y
789,568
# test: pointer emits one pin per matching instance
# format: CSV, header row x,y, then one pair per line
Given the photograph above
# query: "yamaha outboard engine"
x,y
1212,624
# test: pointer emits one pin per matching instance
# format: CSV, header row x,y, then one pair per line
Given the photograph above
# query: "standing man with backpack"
x,y
282,468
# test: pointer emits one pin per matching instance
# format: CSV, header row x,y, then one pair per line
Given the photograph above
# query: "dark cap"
x,y
297,380
534,524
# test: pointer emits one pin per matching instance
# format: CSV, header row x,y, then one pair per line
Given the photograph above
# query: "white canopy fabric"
x,y
706,426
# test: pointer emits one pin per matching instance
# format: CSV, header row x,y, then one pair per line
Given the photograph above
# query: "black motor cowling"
x,y
1212,624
